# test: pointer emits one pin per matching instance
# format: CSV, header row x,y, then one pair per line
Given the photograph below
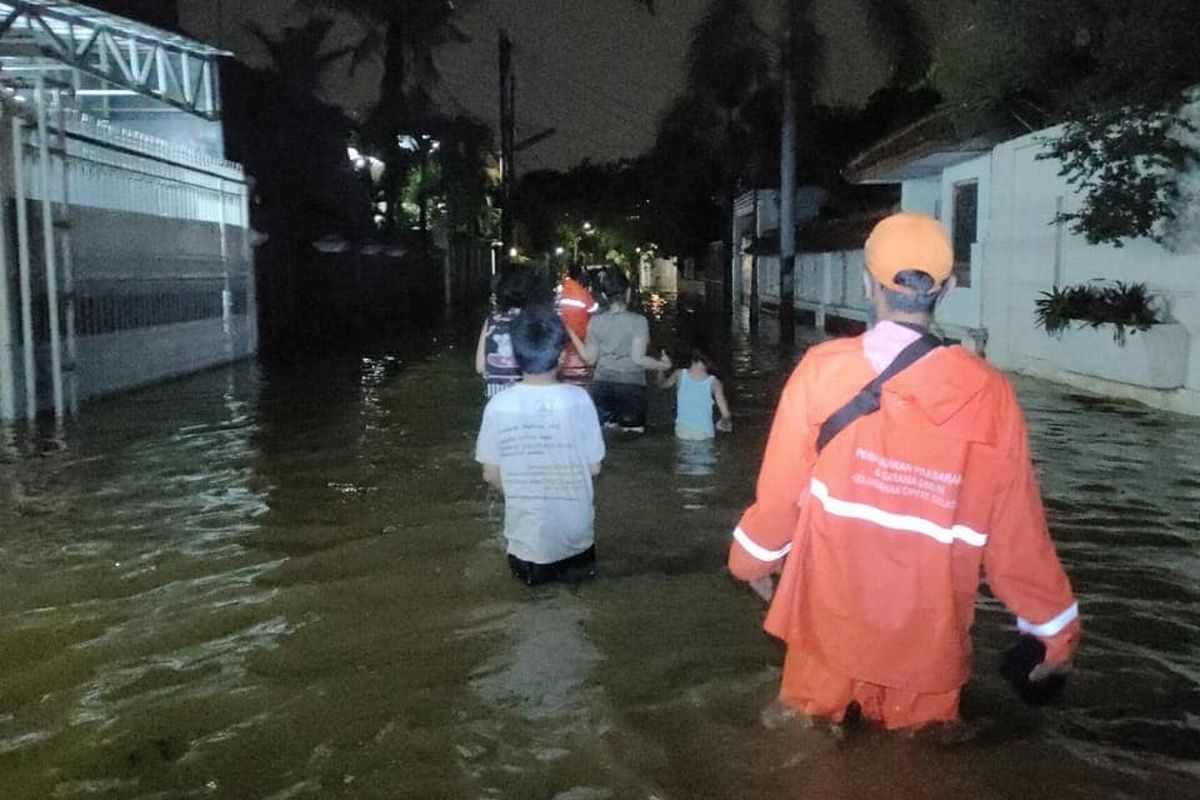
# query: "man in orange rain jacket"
x,y
575,306
881,538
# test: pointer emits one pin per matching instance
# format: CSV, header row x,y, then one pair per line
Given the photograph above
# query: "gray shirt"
x,y
612,334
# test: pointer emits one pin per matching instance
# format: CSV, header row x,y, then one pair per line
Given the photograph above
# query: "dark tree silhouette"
x,y
160,13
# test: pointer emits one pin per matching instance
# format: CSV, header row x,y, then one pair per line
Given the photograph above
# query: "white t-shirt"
x,y
543,438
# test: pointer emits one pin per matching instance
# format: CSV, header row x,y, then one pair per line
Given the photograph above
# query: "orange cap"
x,y
909,241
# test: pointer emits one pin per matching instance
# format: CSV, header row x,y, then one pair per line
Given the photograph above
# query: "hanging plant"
x,y
1128,307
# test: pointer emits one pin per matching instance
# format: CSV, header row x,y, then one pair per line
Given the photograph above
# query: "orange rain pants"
x,y
817,691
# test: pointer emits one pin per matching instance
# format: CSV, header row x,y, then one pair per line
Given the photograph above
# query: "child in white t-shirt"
x,y
540,444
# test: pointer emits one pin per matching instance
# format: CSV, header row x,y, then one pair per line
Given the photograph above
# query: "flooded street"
x,y
290,583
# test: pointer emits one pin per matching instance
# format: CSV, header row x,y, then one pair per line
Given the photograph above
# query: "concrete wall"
x,y
962,309
161,280
1024,254
1020,253
922,194
121,361
659,274
828,284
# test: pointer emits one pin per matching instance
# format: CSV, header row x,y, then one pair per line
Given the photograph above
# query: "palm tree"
x,y
898,28
404,34
297,56
727,69
259,100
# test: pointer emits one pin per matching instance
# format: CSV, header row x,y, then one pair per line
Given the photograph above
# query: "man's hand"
x,y
764,587
1044,670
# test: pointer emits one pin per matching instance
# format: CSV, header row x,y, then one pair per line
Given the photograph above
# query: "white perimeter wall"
x,y
1024,254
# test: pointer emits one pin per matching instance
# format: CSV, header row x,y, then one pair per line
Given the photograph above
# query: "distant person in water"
x,y
616,343
697,390
540,444
516,288
576,305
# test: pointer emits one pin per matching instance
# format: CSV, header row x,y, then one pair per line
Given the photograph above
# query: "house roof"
x,y
923,149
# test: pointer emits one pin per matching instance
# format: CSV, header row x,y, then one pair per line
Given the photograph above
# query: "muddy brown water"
x,y
289,583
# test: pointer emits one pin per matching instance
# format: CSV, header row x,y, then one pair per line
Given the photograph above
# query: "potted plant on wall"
x,y
1125,307
1116,331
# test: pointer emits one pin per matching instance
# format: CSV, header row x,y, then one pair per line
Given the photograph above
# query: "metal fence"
x,y
143,235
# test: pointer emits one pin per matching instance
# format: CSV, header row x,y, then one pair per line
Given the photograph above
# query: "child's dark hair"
x,y
699,353
518,287
538,338
577,273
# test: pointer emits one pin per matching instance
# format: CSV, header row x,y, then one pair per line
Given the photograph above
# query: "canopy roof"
x,y
122,56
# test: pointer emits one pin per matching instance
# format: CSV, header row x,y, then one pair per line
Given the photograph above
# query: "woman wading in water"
x,y
616,343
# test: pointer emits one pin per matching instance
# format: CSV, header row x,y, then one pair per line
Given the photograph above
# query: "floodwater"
x,y
289,583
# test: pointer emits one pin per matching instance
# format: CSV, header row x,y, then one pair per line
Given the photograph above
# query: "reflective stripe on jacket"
x,y
887,533
575,306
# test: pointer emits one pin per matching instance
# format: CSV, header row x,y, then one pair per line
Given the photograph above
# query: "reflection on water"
x,y
291,584
695,456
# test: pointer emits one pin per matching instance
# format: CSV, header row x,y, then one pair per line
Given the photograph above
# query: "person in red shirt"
x,y
880,533
575,306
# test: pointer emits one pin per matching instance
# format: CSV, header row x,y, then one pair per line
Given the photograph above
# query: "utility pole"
x,y
787,188
507,139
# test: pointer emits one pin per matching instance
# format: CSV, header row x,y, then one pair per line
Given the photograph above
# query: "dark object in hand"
x,y
1016,664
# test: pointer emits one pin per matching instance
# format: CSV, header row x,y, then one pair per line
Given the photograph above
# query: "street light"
x,y
558,251
512,252
587,226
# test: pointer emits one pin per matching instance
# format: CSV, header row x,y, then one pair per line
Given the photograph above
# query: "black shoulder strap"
x,y
867,400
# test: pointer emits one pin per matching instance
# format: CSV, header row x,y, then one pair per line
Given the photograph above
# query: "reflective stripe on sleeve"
x,y
895,522
757,550
595,307
1051,628
572,302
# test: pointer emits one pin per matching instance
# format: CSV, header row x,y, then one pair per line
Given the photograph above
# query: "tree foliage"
x,y
299,56
1126,165
160,13
1115,72
292,143
450,190
902,32
446,187
600,212
403,35
721,135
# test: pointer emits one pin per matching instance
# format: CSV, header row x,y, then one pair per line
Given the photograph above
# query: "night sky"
x,y
600,71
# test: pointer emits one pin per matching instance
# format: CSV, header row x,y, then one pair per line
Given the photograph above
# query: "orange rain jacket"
x,y
887,532
575,306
